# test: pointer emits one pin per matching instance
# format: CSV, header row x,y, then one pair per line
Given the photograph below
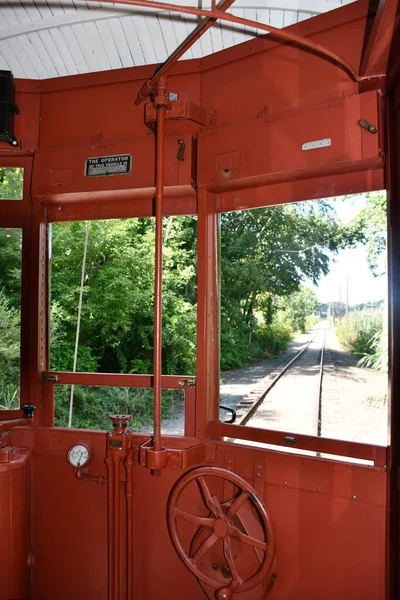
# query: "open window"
x,y
10,316
102,321
304,325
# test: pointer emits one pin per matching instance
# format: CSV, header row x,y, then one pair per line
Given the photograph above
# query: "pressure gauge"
x,y
78,456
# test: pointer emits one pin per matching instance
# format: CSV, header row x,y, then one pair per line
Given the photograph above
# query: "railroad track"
x,y
250,404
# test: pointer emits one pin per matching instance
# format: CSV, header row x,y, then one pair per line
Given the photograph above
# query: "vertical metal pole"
x,y
116,527
78,325
129,522
160,102
110,522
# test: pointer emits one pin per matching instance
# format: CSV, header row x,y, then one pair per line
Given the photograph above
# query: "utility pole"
x,y
347,296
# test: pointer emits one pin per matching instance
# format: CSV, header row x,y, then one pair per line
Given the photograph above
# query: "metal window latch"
x,y
187,382
181,151
367,126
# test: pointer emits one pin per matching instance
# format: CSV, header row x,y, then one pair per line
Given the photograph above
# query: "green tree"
x,y
9,353
117,310
266,254
371,225
298,306
11,183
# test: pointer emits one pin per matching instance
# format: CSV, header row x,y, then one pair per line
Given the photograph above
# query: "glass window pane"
x,y
10,311
92,406
11,183
304,310
116,320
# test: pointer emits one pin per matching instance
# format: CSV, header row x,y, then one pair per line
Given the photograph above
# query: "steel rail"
x,y
281,34
254,407
321,376
148,88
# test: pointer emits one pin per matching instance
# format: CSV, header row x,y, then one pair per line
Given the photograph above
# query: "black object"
x,y
28,410
233,413
8,108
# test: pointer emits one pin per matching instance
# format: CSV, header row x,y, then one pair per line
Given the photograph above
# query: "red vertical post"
x,y
160,102
110,524
207,380
39,321
129,522
116,527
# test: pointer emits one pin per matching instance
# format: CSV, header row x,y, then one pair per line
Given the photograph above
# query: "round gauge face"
x,y
78,456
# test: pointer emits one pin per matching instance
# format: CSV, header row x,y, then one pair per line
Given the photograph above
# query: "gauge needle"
x,y
79,460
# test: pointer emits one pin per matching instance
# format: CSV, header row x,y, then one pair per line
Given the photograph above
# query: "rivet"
x,y
354,497
285,482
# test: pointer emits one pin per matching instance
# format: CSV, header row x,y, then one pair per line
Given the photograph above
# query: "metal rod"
x,y
78,324
148,87
110,523
116,527
281,34
129,522
321,376
160,103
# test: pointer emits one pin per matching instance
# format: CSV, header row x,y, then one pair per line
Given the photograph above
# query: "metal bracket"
x,y
49,377
179,110
181,150
367,126
187,383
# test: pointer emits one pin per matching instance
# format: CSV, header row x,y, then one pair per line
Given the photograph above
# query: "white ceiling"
x,y
51,38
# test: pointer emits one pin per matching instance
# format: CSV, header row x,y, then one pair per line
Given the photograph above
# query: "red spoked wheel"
x,y
222,524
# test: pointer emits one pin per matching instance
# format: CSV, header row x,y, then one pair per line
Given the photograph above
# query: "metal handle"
x,y
233,413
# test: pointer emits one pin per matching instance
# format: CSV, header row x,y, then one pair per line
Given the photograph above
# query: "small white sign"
x,y
317,144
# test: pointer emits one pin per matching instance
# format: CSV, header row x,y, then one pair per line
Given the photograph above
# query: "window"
x,y
304,318
10,316
102,313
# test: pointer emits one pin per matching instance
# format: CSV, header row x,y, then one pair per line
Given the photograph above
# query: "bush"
x,y
93,405
239,347
361,331
274,338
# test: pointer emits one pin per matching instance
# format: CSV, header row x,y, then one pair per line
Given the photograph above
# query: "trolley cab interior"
x,y
222,510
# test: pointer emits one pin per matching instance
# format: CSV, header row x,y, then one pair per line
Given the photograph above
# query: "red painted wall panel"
x,y
329,520
15,525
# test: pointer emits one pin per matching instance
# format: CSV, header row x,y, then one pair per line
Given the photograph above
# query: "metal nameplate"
x,y
119,164
317,144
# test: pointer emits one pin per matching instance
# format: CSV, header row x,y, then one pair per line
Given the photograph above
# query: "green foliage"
x,y
9,353
377,356
299,307
11,183
265,256
372,223
360,331
93,405
10,265
117,311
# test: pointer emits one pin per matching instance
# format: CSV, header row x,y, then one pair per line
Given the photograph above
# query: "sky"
x,y
350,265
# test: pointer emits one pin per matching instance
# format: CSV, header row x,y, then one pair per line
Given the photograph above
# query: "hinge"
x,y
187,382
